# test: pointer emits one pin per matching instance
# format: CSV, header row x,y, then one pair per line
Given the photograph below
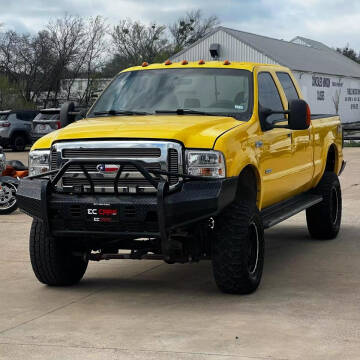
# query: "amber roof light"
x,y
184,62
168,62
227,62
201,62
144,64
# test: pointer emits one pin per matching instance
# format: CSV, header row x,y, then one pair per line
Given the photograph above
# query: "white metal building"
x,y
330,82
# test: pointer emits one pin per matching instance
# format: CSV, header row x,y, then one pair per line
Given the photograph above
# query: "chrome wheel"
x,y
7,196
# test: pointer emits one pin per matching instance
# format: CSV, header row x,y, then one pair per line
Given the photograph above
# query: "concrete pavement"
x,y
307,306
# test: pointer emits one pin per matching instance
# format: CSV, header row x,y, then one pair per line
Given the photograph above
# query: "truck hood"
x,y
192,130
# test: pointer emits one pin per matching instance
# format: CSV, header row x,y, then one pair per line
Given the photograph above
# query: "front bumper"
x,y
138,215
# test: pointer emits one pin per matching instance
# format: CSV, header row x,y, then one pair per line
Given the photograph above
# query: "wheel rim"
x,y
7,196
253,248
335,205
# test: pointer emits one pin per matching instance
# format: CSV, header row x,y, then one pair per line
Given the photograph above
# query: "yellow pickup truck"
x,y
183,162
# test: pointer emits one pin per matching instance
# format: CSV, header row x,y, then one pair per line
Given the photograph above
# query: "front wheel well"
x,y
248,185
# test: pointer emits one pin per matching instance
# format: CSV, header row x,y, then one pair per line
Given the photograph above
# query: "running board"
x,y
277,213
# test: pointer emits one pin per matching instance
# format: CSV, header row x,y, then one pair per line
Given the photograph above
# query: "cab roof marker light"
x,y
145,64
201,62
227,62
168,62
184,62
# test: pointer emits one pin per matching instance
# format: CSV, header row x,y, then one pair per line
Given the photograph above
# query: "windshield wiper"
x,y
185,112
120,112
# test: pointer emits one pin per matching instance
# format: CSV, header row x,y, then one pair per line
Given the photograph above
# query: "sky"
x,y
333,22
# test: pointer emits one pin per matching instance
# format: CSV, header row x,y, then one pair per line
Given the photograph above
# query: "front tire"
x,y
52,258
238,249
324,219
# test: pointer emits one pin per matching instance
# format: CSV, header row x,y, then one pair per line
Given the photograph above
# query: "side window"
x,y
269,96
288,86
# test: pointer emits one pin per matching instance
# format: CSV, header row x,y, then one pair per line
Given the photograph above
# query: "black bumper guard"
x,y
210,197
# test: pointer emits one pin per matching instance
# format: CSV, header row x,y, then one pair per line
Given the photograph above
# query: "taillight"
x,y
5,124
308,115
58,124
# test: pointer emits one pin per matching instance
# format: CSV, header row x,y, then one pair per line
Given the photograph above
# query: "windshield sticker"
x,y
239,107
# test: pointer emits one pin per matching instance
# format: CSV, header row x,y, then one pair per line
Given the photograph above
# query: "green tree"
x,y
349,52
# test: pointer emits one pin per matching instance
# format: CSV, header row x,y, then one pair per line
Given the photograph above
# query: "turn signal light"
x,y
5,124
168,62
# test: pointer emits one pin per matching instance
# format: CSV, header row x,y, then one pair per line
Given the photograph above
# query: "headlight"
x,y
39,162
205,163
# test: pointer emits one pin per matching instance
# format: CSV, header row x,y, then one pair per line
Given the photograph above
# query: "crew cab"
x,y
183,162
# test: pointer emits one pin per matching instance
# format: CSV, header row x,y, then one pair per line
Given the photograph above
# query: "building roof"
x,y
312,57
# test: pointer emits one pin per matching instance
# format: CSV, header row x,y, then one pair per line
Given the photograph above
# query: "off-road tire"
x,y
18,142
234,269
324,219
52,258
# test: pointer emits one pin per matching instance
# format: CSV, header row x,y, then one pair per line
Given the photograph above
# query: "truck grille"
x,y
173,165
111,153
155,155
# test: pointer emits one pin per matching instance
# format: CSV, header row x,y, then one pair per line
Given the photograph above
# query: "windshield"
x,y
225,92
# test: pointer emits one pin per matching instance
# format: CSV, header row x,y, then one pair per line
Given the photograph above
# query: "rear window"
x,y
47,116
3,116
288,86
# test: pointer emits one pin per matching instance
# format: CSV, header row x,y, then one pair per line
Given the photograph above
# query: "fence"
x,y
351,131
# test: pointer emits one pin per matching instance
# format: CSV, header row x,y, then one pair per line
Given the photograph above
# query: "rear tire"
x,y
324,218
238,249
52,259
18,143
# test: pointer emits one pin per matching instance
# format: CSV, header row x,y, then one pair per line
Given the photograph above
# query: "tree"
x,y
134,42
349,52
93,55
190,28
67,39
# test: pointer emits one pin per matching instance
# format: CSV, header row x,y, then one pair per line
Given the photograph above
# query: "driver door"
x,y
273,147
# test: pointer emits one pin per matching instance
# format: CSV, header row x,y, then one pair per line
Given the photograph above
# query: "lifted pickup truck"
x,y
183,162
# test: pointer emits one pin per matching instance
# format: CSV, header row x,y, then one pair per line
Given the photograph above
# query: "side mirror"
x,y
299,115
